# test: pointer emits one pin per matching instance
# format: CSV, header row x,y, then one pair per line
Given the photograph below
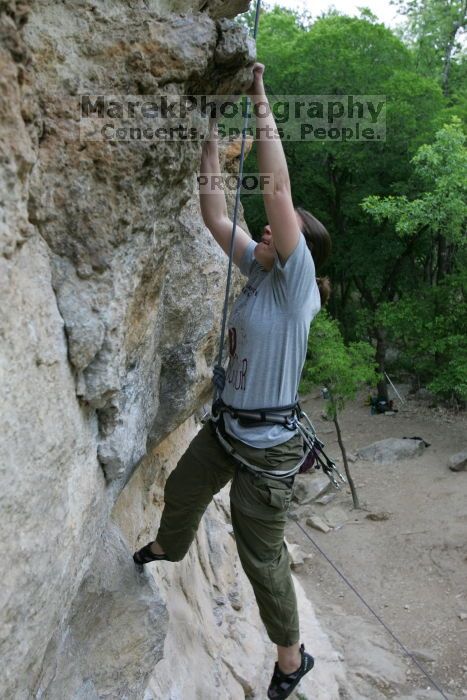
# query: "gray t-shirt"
x,y
268,335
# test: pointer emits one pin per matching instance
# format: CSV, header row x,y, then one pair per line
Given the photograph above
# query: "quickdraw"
x,y
317,456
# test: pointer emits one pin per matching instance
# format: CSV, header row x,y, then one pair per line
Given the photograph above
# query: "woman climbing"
x,y
268,333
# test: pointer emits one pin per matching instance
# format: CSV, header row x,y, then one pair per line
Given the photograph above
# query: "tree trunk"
x,y
428,269
447,67
353,490
442,262
381,363
448,53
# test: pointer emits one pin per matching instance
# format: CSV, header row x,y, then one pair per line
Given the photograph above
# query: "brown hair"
x,y
319,243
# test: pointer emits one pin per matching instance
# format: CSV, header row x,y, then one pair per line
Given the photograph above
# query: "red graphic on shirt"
x,y
232,341
237,369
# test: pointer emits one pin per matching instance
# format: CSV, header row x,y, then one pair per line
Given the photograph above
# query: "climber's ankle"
x,y
156,548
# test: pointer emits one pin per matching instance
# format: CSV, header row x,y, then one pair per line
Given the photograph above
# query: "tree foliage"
x,y
340,55
408,237
435,220
429,328
429,322
434,28
342,369
441,168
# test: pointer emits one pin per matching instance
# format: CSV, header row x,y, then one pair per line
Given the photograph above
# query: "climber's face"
x,y
265,252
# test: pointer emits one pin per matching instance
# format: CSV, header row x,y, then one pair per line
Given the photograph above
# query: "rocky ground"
x,y
404,551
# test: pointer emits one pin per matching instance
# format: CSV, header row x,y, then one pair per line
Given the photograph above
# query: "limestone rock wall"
x,y
111,291
120,219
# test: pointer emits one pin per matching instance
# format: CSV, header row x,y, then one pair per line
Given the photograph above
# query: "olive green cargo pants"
x,y
259,509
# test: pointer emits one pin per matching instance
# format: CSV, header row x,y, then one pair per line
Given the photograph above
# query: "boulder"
x,y
326,498
391,450
423,394
297,556
225,8
317,523
308,487
112,292
336,516
458,462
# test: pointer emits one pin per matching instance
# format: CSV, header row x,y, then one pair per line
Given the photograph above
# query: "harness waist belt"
x,y
286,416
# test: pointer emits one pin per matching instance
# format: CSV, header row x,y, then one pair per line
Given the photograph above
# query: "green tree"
x,y
340,55
434,28
429,328
431,230
342,369
372,263
439,213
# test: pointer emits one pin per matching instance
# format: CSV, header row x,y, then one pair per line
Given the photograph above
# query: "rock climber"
x,y
268,333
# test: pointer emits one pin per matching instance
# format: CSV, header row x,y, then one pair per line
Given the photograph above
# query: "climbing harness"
x,y
223,438
291,417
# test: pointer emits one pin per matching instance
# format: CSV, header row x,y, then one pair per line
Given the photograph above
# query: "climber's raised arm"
x,y
271,158
213,203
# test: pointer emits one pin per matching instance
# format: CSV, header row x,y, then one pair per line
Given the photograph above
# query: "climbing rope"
x,y
361,598
219,372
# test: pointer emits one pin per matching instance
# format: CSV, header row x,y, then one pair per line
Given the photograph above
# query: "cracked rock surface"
x,y
112,291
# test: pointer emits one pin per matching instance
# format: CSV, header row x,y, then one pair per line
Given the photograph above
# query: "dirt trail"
x,y
411,568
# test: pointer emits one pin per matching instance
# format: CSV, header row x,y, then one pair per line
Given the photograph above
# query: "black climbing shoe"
x,y
146,555
282,684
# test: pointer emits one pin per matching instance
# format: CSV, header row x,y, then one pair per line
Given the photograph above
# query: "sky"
x,y
381,8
